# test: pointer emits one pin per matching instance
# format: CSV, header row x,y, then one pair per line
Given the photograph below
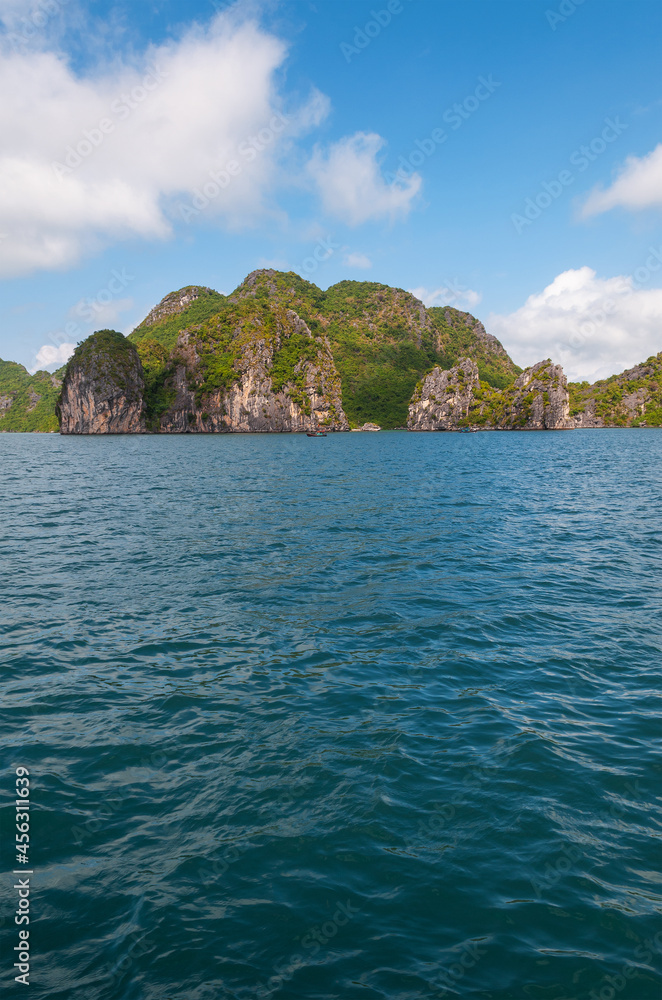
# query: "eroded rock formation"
x,y
444,398
540,400
451,400
250,369
271,357
282,379
103,389
176,302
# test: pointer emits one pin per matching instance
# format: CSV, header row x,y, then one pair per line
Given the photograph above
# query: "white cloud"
x,y
593,326
638,186
28,23
101,314
10,11
451,294
359,260
49,356
209,96
351,185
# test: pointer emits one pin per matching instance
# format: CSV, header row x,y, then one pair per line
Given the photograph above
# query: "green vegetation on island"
x,y
383,340
167,319
107,352
631,399
158,372
377,342
462,336
27,402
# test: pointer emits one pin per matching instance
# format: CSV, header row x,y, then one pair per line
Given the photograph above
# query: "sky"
x,y
500,156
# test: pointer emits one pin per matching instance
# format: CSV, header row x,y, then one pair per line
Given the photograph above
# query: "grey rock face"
x,y
444,398
447,400
262,277
103,389
175,302
251,405
541,400
588,417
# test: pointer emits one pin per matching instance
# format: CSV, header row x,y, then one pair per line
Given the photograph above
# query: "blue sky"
x,y
435,145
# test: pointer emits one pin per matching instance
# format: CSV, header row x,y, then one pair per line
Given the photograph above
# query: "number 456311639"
x,y
22,814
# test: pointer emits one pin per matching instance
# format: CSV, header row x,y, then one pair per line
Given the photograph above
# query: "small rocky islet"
x,y
281,355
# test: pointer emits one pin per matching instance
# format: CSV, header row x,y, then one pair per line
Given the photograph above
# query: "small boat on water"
x,y
316,434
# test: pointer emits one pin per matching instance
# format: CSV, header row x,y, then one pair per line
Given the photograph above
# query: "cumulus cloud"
x,y
90,159
594,327
50,357
10,11
359,260
101,313
351,185
638,186
450,294
32,23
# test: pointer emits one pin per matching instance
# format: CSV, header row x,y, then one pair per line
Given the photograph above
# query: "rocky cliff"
x,y
190,306
252,366
631,399
450,400
255,367
103,388
461,334
538,401
383,340
281,354
177,302
443,400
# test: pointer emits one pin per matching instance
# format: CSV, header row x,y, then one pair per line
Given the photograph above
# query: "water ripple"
x,y
368,716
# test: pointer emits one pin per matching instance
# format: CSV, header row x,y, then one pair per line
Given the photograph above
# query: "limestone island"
x,y
281,355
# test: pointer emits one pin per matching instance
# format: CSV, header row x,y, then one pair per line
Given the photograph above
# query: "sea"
x,y
371,717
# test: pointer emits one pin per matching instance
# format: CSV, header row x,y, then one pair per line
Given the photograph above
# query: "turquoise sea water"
x,y
370,716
